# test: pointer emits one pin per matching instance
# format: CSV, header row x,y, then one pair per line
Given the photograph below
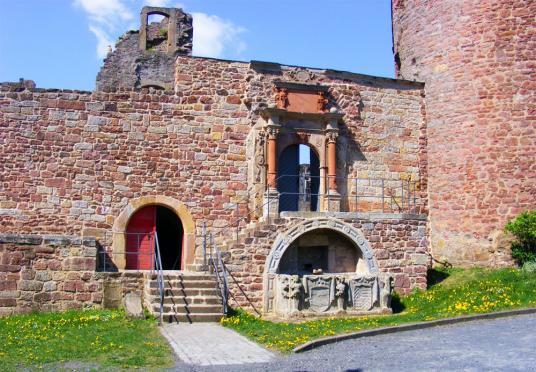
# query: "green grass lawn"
x,y
105,339
101,337
452,292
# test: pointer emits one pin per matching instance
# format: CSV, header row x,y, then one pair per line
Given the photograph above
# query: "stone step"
x,y
191,318
191,276
187,292
181,284
195,300
187,309
197,267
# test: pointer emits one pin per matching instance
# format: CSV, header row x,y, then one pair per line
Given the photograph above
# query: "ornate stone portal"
x,y
290,295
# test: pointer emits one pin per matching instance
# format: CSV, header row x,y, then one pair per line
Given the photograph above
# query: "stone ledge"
x,y
51,240
358,216
410,327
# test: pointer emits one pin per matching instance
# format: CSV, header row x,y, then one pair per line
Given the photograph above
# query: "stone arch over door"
x,y
284,240
121,222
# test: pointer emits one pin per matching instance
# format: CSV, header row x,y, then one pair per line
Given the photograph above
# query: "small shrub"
x,y
523,227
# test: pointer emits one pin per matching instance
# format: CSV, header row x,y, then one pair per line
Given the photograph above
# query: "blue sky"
x,y
60,43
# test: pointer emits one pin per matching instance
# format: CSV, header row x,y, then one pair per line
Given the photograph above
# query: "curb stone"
x,y
409,327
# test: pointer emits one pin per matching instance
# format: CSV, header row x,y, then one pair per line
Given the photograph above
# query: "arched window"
x,y
298,180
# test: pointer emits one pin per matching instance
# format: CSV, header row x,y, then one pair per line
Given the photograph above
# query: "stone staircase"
x,y
188,297
225,243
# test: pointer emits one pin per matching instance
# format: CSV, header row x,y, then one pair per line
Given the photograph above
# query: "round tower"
x,y
478,61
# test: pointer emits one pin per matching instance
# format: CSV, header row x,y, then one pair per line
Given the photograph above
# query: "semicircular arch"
x,y
121,222
283,241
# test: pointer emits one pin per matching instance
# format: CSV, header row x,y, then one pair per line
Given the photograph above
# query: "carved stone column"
x,y
331,138
271,196
272,131
333,198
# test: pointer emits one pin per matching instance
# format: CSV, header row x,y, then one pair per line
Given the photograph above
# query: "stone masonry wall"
x,y
477,59
76,158
47,273
383,134
399,244
53,273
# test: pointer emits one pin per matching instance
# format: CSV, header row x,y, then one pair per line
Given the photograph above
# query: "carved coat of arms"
x,y
321,291
363,291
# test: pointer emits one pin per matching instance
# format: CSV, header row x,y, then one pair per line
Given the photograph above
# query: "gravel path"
x,y
506,344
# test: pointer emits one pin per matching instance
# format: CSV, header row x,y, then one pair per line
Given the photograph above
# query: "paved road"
x,y
507,344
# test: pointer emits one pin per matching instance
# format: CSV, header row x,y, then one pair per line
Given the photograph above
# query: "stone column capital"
x,y
331,136
272,130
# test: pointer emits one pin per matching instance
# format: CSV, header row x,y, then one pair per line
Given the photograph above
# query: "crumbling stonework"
x,y
477,60
146,58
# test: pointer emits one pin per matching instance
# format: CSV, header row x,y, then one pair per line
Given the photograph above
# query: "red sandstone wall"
x,y
72,161
75,159
477,58
400,246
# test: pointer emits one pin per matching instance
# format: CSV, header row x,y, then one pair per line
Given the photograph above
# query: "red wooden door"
x,y
140,239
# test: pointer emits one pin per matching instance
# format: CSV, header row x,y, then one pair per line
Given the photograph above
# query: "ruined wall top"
x,y
146,58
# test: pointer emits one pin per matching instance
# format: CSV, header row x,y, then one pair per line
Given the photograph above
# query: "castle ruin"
x,y
175,160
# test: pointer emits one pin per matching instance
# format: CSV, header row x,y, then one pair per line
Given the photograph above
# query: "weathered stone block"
x,y
29,285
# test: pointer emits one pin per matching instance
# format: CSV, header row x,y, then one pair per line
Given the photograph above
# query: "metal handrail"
x,y
159,277
218,266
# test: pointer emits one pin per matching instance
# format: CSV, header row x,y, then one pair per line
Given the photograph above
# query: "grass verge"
x,y
452,292
103,337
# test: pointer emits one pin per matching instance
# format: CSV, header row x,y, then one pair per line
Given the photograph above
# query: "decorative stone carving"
x,y
281,97
260,156
313,295
340,292
386,289
320,290
302,76
363,291
331,137
272,132
303,137
292,289
322,101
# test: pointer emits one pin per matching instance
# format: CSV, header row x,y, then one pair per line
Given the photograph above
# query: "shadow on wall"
x,y
105,262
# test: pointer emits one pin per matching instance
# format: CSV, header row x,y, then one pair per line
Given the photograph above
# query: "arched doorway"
x,y
146,224
298,179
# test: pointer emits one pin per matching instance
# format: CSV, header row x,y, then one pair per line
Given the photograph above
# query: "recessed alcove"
x,y
323,251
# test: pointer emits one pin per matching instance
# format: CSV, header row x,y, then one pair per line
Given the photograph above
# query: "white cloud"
x,y
103,40
107,12
214,37
106,17
162,3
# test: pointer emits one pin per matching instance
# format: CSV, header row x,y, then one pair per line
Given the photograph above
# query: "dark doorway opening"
x,y
169,231
298,179
146,224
